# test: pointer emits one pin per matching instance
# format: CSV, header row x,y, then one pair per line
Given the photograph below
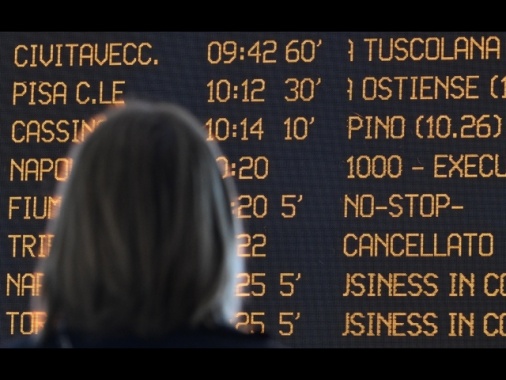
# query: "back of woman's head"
x,y
145,237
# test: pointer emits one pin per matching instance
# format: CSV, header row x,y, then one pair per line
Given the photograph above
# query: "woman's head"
x,y
145,240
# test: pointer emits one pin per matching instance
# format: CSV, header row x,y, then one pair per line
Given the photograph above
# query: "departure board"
x,y
371,169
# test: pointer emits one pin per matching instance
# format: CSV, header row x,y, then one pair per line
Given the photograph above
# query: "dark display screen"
x,y
371,169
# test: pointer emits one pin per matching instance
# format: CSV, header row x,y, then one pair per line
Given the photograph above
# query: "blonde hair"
x,y
145,239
